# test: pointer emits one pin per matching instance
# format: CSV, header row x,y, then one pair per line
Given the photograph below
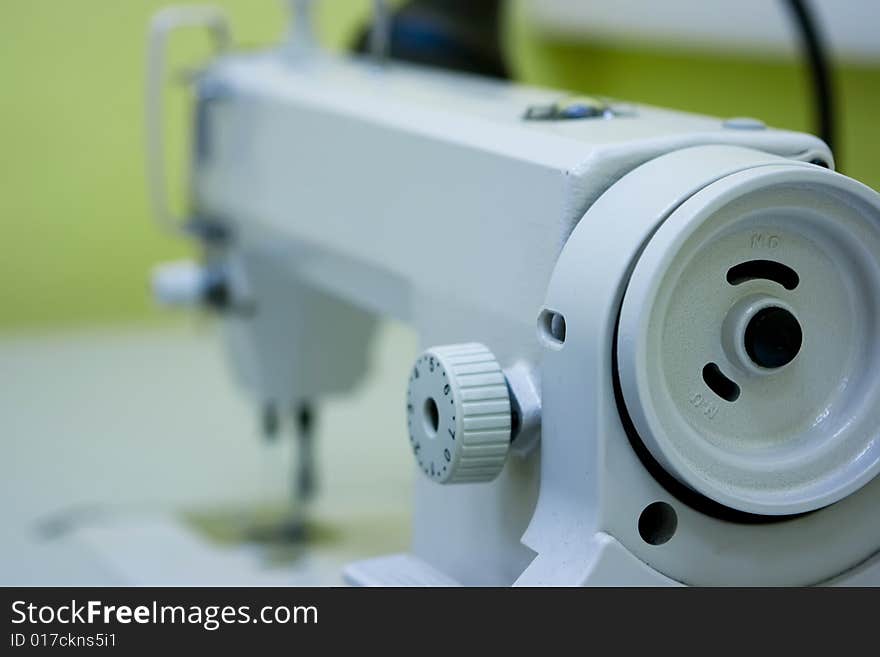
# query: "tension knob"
x,y
459,414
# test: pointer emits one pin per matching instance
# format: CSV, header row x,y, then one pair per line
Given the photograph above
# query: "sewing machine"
x,y
649,337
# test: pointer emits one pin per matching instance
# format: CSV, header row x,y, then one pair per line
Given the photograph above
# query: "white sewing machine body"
x,y
350,190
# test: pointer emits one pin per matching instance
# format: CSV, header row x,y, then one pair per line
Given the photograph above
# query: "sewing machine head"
x,y
650,337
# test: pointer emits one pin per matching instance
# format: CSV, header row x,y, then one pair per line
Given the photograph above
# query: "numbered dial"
x,y
458,413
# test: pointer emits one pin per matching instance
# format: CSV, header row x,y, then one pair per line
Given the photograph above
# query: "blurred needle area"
x,y
129,457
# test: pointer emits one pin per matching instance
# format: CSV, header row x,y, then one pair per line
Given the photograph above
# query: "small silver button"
x,y
744,123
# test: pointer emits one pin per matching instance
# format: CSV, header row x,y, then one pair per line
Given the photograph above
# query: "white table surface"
x,y
109,434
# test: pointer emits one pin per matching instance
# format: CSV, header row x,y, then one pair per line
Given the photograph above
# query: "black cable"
x,y
820,71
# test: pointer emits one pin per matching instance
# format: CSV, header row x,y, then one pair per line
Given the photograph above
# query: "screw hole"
x,y
657,523
551,328
432,417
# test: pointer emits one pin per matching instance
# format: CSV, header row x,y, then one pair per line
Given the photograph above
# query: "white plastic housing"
x,y
427,197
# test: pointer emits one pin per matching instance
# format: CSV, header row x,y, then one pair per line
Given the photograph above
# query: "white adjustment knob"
x,y
458,412
188,284
180,283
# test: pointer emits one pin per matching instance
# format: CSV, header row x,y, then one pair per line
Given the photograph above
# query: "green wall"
x,y
77,238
